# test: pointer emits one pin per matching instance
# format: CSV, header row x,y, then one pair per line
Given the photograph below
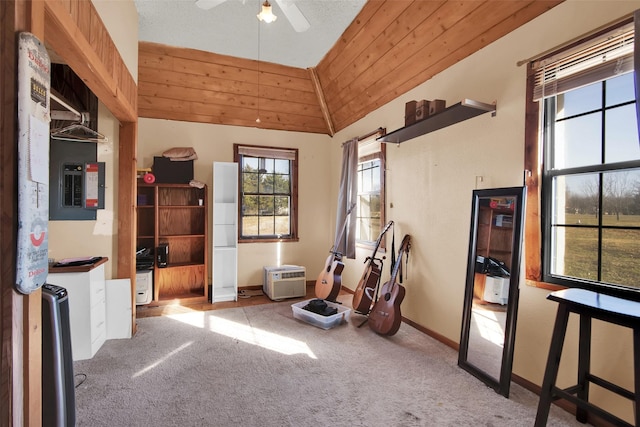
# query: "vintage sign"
x,y
34,82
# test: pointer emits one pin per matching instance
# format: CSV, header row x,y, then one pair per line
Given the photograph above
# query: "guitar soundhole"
x,y
387,296
328,268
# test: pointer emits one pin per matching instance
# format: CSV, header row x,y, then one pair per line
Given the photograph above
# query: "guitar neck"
x,y
375,249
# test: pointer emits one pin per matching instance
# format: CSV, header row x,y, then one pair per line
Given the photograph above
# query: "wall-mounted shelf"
x,y
459,112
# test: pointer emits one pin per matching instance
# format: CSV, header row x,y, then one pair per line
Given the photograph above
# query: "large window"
x,y
370,208
591,174
268,193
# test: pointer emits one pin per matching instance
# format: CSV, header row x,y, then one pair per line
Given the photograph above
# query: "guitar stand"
x,y
364,321
375,295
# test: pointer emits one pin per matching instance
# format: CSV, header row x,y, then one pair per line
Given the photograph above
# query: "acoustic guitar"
x,y
385,316
329,281
368,284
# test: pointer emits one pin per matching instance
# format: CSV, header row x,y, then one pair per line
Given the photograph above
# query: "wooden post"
x,y
127,164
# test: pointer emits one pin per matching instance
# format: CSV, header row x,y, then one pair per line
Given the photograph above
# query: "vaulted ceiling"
x,y
390,47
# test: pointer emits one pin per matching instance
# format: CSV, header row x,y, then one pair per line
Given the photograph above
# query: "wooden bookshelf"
x,y
175,215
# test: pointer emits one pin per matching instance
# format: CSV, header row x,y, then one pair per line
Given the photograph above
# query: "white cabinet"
x,y
118,303
87,308
225,232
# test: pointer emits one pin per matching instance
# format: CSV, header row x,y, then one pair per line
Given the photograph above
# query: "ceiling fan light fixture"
x,y
266,14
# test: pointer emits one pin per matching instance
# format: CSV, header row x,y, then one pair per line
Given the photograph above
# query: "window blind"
x,y
597,59
268,152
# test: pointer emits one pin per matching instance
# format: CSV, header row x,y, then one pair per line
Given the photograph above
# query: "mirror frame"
x,y
502,384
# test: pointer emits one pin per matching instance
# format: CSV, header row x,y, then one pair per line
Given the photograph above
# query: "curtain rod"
x,y
369,135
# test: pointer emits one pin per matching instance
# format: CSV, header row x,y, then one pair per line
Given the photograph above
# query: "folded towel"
x,y
196,184
180,154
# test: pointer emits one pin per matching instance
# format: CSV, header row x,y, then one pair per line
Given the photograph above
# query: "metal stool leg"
x,y
553,362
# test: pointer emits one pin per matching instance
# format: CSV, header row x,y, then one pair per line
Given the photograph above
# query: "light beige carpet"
x,y
258,366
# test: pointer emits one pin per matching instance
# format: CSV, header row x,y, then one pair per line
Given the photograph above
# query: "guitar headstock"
x,y
406,244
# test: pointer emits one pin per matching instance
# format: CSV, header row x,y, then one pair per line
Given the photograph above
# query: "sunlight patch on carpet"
x,y
162,360
246,333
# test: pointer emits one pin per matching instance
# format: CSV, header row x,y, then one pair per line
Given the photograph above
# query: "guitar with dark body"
x,y
385,316
364,293
329,281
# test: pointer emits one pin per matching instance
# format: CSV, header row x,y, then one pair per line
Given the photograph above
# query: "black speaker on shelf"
x,y
162,254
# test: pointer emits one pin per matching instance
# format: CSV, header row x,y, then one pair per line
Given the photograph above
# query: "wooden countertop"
x,y
56,268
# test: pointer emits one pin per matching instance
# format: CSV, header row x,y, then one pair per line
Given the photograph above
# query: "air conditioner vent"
x,y
293,274
287,281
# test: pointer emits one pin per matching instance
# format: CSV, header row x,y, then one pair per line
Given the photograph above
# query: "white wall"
x,y
429,184
430,180
99,237
214,143
94,238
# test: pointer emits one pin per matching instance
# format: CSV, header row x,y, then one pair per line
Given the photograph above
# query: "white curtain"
x,y
347,198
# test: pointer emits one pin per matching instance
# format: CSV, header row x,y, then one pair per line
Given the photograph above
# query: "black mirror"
x,y
492,286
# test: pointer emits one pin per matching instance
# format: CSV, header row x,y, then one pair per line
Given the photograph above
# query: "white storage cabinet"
x,y
87,308
225,232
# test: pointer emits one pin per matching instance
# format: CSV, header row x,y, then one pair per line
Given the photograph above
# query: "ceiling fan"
x,y
288,7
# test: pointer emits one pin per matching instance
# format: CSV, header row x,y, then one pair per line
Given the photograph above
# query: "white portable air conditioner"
x,y
287,281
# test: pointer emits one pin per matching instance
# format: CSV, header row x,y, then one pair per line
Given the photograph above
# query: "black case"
x,y
172,172
162,255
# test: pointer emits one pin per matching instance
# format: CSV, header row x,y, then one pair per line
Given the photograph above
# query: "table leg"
x,y
584,364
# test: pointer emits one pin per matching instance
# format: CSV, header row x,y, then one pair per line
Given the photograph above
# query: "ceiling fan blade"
x,y
293,14
208,4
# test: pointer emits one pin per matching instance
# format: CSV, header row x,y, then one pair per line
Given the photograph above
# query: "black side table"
x,y
589,305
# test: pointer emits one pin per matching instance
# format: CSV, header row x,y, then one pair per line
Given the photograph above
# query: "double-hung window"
x,y
591,165
268,193
370,206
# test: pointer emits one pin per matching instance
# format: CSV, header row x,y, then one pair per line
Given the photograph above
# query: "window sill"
x,y
269,240
544,285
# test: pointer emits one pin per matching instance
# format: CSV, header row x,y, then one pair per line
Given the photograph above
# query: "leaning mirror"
x,y
492,283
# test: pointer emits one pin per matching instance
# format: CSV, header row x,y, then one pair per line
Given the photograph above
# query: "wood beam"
x,y
21,331
65,37
10,375
32,309
127,224
321,100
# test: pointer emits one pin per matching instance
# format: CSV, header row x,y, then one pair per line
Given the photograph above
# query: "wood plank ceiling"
x,y
391,47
